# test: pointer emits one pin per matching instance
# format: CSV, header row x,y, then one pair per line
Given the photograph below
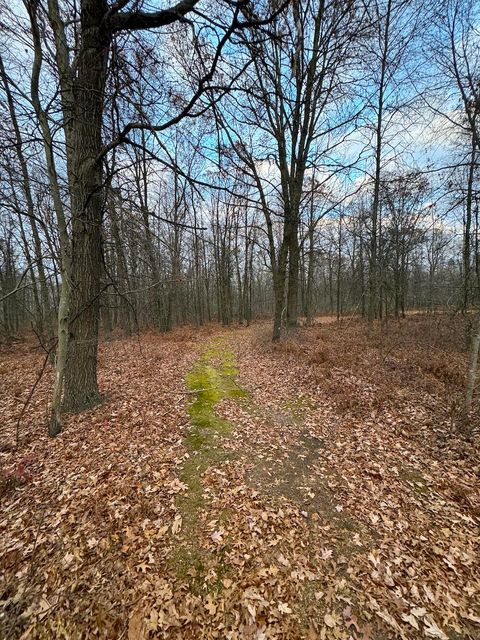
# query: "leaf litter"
x,y
312,509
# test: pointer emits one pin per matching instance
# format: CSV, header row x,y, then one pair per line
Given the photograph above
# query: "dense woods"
x,y
300,178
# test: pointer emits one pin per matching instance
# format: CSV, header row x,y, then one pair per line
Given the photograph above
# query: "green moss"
x,y
212,380
189,566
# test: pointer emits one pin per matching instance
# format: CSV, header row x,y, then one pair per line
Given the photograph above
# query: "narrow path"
x,y
256,507
211,380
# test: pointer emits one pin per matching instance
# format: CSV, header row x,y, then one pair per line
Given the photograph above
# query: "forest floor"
x,y
231,488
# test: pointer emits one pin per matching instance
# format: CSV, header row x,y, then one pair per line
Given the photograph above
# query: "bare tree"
x,y
294,78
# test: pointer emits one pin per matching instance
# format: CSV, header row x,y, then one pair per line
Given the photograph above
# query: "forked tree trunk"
x,y
54,426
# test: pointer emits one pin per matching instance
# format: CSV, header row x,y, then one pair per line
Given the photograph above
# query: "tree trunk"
x,y
373,285
309,284
471,374
292,291
279,281
467,267
339,270
86,185
65,256
55,425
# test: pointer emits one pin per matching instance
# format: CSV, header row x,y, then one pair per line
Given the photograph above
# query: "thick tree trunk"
x,y
87,199
81,389
293,270
279,282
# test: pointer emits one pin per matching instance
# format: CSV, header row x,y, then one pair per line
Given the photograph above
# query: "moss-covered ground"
x,y
212,380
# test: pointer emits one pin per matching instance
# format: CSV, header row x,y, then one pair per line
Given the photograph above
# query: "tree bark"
x,y
293,271
373,277
467,267
471,374
279,282
87,200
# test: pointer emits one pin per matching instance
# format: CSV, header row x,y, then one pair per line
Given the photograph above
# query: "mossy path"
x,y
212,380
